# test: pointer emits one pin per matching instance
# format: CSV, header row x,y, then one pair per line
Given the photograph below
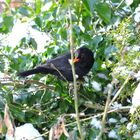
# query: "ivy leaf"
x,y
96,40
89,4
104,11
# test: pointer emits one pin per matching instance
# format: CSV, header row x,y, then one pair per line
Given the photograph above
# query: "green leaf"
x,y
38,21
26,11
89,4
38,6
8,1
17,112
104,11
96,40
135,3
85,2
7,24
109,51
33,43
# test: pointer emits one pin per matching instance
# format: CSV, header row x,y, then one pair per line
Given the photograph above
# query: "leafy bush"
x,y
31,33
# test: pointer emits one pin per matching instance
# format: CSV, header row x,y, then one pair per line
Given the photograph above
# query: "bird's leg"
x,y
70,87
79,84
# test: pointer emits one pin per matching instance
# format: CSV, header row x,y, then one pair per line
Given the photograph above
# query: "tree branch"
x,y
99,137
119,91
74,76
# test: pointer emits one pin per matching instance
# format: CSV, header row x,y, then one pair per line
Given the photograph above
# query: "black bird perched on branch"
x,y
61,67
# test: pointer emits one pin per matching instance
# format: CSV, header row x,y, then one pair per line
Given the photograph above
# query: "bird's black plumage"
x,y
61,67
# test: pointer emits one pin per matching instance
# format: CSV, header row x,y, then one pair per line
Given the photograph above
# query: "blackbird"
x,y
61,67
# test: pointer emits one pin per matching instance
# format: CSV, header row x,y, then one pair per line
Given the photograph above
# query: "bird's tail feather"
x,y
33,71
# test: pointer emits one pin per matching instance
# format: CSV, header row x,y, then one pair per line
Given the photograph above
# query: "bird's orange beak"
x,y
75,60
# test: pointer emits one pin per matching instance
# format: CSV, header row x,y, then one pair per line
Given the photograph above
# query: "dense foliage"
x,y
32,32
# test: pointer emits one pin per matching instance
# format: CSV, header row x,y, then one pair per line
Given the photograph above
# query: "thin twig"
x,y
74,76
12,82
94,106
120,4
54,67
39,84
105,112
119,91
118,109
44,134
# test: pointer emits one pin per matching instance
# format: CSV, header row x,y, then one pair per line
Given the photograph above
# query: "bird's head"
x,y
84,57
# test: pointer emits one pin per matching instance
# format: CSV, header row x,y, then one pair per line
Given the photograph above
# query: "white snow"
x,y
24,29
137,9
137,14
135,99
102,75
26,131
137,75
116,105
96,123
128,2
122,120
47,6
137,135
131,126
137,17
96,86
112,120
112,134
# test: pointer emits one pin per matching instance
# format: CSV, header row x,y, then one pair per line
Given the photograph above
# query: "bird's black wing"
x,y
59,66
